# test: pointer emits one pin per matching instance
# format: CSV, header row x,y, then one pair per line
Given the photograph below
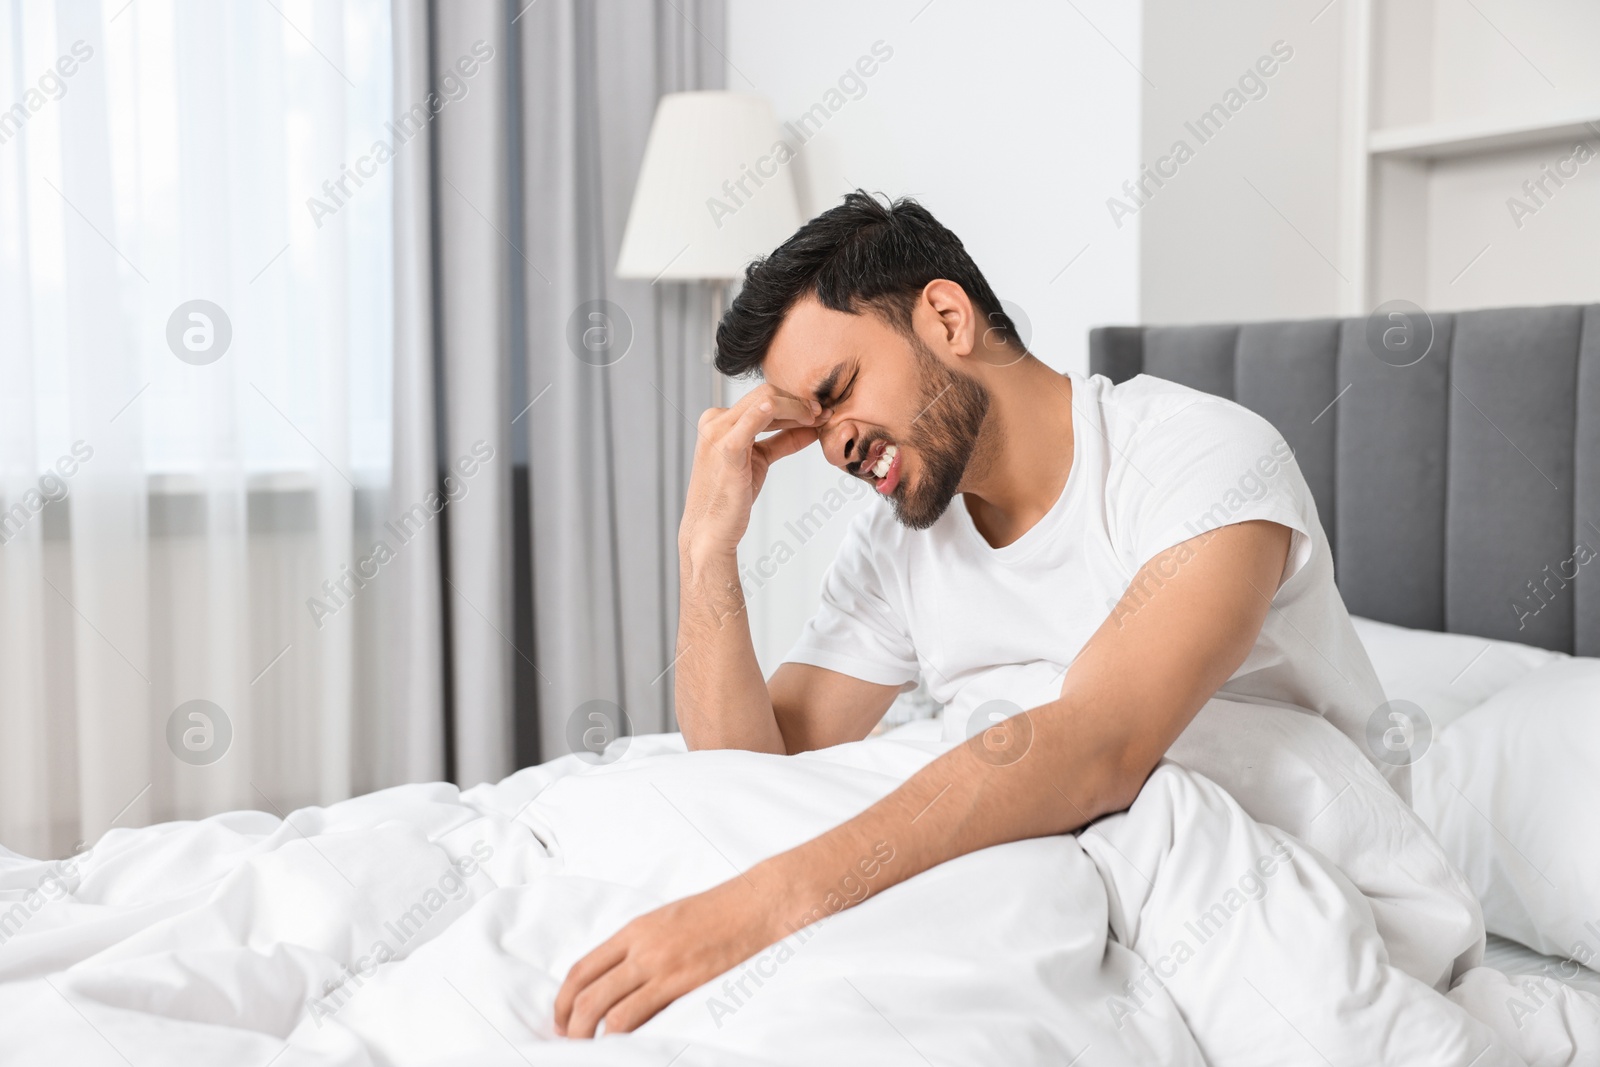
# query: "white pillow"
x,y
1446,675
1512,791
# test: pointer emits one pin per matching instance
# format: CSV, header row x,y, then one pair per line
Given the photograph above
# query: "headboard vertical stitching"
x,y
1577,437
1449,419
1586,523
1233,367
1335,538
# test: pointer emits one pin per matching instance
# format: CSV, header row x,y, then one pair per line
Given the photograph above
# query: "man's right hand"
x,y
730,465
721,698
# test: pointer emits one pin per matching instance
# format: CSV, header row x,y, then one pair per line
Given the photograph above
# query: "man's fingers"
x,y
789,424
583,973
600,996
789,409
785,443
733,430
785,407
742,435
637,1008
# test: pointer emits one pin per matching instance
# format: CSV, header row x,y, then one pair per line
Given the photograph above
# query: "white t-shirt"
x,y
1154,464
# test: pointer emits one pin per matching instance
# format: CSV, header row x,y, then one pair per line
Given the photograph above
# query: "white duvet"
x,y
420,925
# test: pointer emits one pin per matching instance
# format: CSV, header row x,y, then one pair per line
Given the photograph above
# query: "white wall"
x,y
1250,227
1266,220
1017,123
1012,121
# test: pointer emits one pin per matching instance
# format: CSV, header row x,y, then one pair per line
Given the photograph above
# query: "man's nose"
x,y
839,438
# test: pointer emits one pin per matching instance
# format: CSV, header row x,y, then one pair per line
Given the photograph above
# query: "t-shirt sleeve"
x,y
859,629
1211,464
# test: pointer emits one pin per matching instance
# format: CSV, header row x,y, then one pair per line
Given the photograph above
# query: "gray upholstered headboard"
x,y
1460,492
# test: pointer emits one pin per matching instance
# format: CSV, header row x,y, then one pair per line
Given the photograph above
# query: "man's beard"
x,y
944,437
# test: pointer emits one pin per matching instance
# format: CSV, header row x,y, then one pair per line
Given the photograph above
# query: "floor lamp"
x,y
714,192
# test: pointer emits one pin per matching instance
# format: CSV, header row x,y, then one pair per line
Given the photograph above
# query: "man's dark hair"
x,y
860,255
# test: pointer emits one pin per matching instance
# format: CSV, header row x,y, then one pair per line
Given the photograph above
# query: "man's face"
x,y
897,407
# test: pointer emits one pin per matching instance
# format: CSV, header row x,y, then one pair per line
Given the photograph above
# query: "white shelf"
x,y
1429,192
1463,137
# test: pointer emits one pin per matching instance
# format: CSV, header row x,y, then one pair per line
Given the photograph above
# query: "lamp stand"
x,y
718,292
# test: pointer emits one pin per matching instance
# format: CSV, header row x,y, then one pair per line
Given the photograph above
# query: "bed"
x,y
1455,460
427,925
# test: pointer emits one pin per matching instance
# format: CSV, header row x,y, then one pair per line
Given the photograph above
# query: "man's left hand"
x,y
662,955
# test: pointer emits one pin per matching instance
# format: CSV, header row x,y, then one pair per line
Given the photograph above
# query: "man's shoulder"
x,y
1145,399
1146,409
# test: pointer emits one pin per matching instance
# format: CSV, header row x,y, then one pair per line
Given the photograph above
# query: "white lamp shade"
x,y
715,189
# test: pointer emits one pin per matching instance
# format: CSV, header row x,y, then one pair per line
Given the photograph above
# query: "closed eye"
x,y
844,394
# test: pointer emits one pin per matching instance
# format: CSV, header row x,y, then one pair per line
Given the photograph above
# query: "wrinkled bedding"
x,y
1245,910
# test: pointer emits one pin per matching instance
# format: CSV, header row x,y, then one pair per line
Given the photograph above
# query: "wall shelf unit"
x,y
1464,137
1473,152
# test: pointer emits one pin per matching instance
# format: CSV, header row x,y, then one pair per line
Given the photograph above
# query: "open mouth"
x,y
881,466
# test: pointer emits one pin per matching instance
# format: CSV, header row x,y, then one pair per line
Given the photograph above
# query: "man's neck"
x,y
1024,452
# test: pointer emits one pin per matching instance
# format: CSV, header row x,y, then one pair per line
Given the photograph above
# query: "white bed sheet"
x,y
1506,955
1146,938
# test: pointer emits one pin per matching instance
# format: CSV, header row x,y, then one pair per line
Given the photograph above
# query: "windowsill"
x,y
184,483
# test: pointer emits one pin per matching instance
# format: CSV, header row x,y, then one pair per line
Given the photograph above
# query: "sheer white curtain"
x,y
197,397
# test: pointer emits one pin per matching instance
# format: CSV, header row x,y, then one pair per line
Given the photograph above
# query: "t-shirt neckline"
x,y
1041,532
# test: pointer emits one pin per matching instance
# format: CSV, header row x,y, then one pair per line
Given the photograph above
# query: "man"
x,y
1118,555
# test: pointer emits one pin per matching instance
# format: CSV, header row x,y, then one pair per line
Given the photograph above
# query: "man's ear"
x,y
949,311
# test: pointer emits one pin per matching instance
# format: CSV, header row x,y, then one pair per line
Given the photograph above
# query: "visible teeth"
x,y
885,461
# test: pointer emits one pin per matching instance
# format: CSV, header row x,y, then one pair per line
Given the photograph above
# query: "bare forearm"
x,y
1071,772
1128,695
1084,754
722,699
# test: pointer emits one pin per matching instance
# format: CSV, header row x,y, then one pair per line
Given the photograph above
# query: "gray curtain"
x,y
557,557
411,657
610,446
